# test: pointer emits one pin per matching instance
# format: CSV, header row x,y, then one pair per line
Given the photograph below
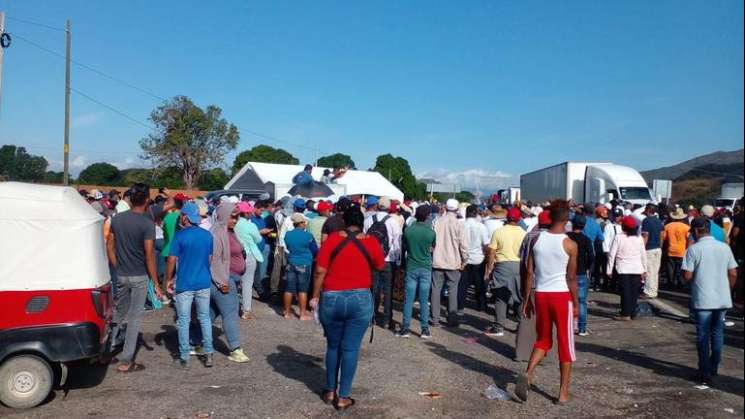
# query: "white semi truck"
x,y
585,182
731,192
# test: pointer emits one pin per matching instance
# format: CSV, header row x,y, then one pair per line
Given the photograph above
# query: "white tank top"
x,y
550,261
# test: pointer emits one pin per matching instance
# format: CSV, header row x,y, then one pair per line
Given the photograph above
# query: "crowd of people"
x,y
536,263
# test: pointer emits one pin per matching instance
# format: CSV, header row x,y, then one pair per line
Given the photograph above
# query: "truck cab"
x,y
606,182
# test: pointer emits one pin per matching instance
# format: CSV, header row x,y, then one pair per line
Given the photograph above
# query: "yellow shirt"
x,y
506,242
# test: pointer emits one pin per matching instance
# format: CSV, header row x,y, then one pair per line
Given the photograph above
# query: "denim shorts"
x,y
298,279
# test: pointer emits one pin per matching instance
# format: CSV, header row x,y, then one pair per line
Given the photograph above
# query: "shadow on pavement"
x,y
669,369
307,369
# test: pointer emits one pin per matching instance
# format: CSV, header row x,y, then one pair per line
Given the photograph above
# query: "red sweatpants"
x,y
555,309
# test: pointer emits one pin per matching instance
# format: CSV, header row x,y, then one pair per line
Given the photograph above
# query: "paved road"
x,y
640,369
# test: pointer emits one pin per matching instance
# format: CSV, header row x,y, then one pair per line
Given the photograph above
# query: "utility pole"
x,y
66,170
2,30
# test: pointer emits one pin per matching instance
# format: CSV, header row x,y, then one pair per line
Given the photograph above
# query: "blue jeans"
x,y
184,300
226,305
582,288
422,278
345,316
709,340
298,279
261,268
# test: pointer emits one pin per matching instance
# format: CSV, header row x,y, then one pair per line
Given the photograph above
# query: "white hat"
x,y
452,204
384,203
708,211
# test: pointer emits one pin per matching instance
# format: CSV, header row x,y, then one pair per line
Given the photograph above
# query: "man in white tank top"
x,y
552,264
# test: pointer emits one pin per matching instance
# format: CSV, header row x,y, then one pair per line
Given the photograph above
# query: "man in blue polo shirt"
x,y
191,249
711,269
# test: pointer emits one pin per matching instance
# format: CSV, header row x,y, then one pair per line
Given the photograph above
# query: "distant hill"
x,y
698,180
719,158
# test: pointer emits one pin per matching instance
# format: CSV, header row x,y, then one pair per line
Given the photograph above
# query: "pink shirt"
x,y
628,254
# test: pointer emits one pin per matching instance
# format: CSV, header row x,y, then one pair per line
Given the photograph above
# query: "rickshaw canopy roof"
x,y
51,239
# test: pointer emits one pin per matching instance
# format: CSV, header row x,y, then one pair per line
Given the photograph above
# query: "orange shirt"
x,y
676,236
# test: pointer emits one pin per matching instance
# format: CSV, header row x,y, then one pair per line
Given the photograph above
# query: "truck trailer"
x,y
585,182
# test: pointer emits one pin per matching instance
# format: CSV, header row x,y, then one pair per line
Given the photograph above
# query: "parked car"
x,y
55,289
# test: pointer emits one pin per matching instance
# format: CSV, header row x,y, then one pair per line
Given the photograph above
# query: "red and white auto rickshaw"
x,y
55,292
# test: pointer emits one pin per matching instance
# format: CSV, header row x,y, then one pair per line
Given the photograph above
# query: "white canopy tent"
x,y
51,239
355,182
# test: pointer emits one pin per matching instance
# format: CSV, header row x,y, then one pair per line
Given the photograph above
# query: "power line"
x,y
111,108
35,24
89,68
147,92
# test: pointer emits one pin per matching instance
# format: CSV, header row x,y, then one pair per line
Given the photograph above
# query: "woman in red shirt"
x,y
344,268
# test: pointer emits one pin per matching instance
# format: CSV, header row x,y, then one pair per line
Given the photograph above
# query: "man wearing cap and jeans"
x,y
191,249
504,276
652,229
711,269
448,260
383,279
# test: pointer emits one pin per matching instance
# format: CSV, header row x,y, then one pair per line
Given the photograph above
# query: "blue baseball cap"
x,y
191,211
371,200
299,203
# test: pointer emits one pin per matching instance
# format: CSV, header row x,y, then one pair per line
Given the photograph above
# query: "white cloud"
x,y
85,120
127,163
471,179
78,162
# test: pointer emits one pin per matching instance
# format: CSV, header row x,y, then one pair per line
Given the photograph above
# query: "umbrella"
x,y
313,190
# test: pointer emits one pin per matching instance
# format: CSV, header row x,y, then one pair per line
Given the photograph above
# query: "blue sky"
x,y
463,90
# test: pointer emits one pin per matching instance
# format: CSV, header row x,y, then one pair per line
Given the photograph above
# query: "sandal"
x,y
340,408
328,396
132,367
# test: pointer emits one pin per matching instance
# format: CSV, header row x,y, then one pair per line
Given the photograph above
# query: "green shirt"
x,y
419,240
315,227
169,231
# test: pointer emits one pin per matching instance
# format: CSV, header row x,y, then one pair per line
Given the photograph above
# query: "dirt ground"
x,y
642,369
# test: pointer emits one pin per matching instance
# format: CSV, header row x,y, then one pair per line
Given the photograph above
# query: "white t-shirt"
x,y
492,225
550,261
478,237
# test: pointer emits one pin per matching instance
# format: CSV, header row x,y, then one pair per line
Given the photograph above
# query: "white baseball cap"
x,y
708,210
452,204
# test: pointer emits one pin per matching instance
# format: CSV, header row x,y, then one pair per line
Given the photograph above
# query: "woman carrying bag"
x,y
342,296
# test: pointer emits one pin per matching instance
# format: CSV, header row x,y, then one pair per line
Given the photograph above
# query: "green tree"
x,y
263,154
53,177
337,160
128,177
462,196
99,174
168,177
398,171
213,179
17,164
189,138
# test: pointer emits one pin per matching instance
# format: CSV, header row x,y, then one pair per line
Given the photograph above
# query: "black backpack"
x,y
352,239
380,232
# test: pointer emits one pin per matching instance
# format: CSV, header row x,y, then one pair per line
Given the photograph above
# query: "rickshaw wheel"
x,y
25,381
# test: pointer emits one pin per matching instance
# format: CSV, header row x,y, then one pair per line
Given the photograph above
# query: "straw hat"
x,y
678,214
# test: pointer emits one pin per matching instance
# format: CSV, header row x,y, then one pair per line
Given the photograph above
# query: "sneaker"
x,y
729,323
584,334
181,364
209,361
494,331
196,351
238,356
426,334
403,333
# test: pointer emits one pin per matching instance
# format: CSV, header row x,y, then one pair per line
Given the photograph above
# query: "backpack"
x,y
352,238
379,230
